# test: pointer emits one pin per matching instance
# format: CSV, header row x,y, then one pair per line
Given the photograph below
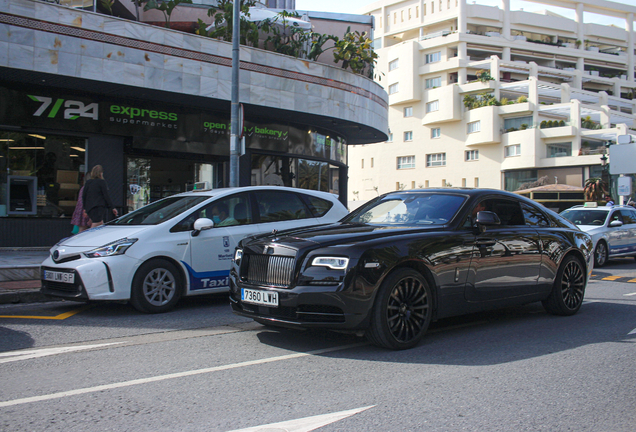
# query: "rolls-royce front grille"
x,y
270,270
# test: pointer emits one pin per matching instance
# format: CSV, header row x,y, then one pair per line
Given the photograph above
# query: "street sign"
x,y
622,159
624,186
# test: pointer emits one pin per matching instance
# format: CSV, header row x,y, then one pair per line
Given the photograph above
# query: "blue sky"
x,y
352,6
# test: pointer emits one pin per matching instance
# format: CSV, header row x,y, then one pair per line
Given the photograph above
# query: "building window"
x,y
433,82
408,136
424,14
432,7
402,16
394,17
463,182
512,150
413,185
448,5
559,149
417,11
394,88
476,181
371,162
436,159
426,183
436,132
432,106
390,138
408,112
473,127
409,13
406,162
472,155
362,164
394,64
517,123
433,57
440,5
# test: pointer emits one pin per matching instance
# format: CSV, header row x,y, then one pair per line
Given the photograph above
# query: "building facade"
x,y
483,96
152,106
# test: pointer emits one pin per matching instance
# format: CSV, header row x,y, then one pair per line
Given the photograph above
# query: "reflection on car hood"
x,y
101,236
340,234
591,229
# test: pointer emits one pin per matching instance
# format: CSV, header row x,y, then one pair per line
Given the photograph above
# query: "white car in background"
x,y
613,229
172,248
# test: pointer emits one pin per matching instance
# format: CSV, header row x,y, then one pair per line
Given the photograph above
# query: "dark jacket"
x,y
96,194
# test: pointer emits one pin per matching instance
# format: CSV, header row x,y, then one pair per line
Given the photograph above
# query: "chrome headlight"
x,y
334,263
118,247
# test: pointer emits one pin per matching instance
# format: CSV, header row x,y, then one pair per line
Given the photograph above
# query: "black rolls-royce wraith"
x,y
409,257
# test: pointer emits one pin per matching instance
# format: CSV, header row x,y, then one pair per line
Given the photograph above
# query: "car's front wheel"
x,y
568,290
601,254
156,287
402,311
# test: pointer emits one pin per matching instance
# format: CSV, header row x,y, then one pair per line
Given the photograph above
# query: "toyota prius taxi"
x,y
179,246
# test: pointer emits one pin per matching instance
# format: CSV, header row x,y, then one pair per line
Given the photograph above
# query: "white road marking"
x,y
630,294
12,356
305,424
632,332
158,378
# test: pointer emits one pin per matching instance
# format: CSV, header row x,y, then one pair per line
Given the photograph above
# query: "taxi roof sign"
x,y
590,204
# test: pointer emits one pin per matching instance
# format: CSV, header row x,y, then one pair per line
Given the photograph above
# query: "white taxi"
x,y
179,246
613,229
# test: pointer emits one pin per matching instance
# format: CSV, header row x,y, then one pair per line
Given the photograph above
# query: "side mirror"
x,y
485,219
202,224
616,223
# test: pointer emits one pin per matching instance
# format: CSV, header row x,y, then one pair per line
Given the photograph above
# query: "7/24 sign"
x,y
72,109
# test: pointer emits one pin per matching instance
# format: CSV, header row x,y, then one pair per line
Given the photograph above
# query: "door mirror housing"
x,y
202,224
485,219
615,224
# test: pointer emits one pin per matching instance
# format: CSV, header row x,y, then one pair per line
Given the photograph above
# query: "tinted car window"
x,y
236,208
280,206
509,211
318,206
629,216
160,211
534,216
616,216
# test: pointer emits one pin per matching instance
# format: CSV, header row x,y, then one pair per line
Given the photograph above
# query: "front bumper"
x,y
306,306
95,278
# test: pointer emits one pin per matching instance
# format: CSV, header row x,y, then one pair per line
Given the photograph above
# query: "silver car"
x,y
613,229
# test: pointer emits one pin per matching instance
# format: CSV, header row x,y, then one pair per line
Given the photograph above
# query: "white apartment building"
x,y
566,89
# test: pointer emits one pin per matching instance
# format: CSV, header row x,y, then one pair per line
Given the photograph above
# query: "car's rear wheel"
x,y
601,254
568,290
156,287
402,311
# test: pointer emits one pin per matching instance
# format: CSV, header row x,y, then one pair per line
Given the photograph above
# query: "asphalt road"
x,y
67,367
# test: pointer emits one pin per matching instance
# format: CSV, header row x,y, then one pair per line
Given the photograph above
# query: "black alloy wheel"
x,y
402,311
568,290
601,254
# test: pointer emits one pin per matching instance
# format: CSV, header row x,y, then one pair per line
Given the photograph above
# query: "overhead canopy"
x,y
259,14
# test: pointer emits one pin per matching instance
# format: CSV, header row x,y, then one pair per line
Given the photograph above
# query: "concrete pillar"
x,y
602,98
534,70
580,67
461,17
580,25
577,81
494,72
533,98
629,24
505,31
605,117
617,87
565,93
575,117
506,54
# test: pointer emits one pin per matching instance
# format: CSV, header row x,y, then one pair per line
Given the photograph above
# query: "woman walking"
x,y
95,197
80,219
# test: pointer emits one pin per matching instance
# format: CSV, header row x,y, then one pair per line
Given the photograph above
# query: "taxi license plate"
x,y
54,276
265,298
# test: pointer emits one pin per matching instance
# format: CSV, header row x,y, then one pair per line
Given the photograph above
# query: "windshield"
x,y
586,217
160,211
409,209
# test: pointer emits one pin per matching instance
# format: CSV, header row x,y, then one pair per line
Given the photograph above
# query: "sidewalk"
x,y
20,275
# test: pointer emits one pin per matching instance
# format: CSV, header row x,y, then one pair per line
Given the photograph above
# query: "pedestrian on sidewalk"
x,y
80,219
95,197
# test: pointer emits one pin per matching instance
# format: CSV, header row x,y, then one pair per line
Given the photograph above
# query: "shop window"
x,y
45,171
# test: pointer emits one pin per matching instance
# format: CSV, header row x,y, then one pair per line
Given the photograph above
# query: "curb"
x,y
23,296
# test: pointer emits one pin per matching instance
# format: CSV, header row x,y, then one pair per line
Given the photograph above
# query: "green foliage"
x,y
223,15
522,99
480,100
355,52
484,75
588,123
284,37
317,43
108,5
166,7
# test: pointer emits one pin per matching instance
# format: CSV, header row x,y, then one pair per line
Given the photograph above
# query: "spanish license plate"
x,y
265,298
54,276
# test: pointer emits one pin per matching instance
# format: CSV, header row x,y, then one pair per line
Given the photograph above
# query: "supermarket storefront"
x,y
49,139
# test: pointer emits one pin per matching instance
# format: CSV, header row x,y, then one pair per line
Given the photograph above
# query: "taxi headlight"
x,y
238,254
334,263
118,247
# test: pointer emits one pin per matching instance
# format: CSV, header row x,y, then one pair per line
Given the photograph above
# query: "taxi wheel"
x,y
402,311
600,254
568,290
157,287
